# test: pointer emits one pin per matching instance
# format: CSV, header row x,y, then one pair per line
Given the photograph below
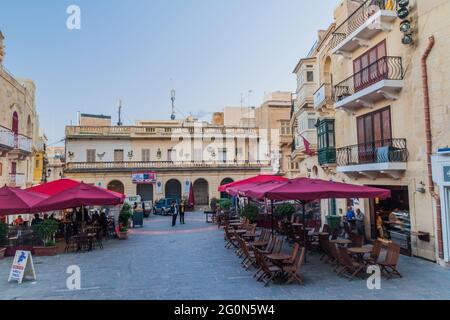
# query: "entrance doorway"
x,y
145,191
224,195
394,222
173,189
201,192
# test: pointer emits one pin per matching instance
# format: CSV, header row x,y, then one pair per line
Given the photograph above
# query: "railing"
x,y
162,165
6,138
386,68
382,151
356,19
155,131
23,143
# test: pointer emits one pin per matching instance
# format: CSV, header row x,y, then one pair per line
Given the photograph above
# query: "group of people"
x,y
356,219
177,209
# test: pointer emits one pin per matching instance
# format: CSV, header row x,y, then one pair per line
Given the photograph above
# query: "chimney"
x,y
2,48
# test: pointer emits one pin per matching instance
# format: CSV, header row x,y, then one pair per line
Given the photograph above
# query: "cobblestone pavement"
x,y
190,262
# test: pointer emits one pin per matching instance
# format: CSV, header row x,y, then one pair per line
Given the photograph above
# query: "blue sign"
x,y
447,173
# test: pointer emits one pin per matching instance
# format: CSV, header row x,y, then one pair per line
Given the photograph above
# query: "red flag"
x,y
191,199
307,145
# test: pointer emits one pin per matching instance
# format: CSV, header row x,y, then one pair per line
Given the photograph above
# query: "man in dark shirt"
x,y
174,212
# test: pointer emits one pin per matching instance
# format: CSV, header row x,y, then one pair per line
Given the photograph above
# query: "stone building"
x,y
18,127
372,120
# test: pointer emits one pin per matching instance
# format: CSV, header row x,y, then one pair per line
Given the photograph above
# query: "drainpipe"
x,y
429,144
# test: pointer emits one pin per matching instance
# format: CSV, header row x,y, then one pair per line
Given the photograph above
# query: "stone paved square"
x,y
190,262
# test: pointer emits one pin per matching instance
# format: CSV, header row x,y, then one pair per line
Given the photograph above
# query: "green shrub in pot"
x,y
47,230
285,211
251,212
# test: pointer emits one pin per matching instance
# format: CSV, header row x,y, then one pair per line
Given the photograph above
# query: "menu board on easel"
x,y
22,267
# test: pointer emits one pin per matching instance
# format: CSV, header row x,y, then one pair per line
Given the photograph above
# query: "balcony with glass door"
x,y
367,21
382,79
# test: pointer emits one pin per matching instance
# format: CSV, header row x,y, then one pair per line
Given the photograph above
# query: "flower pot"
x,y
45,251
2,253
123,235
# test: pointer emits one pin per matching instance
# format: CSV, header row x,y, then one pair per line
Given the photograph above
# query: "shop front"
x,y
441,176
390,218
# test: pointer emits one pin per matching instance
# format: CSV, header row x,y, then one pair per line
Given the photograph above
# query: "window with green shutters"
x,y
326,141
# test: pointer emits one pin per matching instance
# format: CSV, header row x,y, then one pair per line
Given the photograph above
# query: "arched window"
x,y
15,123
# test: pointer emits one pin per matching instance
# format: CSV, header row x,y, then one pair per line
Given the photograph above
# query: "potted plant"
x,y
3,231
251,212
225,204
124,221
46,231
285,211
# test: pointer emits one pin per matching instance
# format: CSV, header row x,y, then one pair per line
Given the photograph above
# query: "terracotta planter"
x,y
123,235
45,251
2,253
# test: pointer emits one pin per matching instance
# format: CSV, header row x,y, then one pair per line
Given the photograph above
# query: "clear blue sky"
x,y
210,51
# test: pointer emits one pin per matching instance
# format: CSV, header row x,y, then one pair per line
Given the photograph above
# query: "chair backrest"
x,y
278,245
393,254
357,240
262,262
376,250
324,243
333,251
326,228
295,251
345,258
299,259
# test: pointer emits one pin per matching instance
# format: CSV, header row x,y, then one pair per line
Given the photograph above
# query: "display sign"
x,y
22,266
447,173
144,178
159,188
187,186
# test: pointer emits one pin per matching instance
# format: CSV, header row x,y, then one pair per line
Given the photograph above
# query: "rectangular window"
x,y
145,155
37,164
90,155
171,155
368,68
223,155
198,156
118,155
310,76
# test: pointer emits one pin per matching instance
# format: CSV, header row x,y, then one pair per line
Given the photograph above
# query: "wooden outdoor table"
x,y
360,251
240,231
341,241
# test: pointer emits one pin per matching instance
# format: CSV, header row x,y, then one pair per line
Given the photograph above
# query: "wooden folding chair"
x,y
293,270
389,265
374,254
357,240
350,268
269,272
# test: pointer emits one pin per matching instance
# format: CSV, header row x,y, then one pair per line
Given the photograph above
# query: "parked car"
x,y
162,206
131,200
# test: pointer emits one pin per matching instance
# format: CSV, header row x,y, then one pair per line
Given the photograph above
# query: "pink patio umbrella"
x,y
80,195
17,201
257,179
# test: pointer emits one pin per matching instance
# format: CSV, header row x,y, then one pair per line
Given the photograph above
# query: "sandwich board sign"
x,y
22,266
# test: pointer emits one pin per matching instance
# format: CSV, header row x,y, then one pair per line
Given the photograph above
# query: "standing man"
x,y
182,211
359,218
174,212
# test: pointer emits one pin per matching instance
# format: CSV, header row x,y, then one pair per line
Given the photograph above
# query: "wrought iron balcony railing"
x,y
357,19
382,151
386,68
6,138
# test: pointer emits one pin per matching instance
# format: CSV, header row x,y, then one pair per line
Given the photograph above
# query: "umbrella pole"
x,y
271,215
304,229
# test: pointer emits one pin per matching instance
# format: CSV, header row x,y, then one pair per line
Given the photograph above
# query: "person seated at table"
x,y
103,221
45,216
95,217
18,221
78,215
37,220
87,218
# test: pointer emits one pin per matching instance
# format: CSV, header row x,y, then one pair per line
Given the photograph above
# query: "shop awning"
x,y
314,189
18,201
80,195
256,179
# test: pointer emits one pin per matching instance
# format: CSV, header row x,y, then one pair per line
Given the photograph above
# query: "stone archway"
x,y
173,189
201,192
224,195
116,186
